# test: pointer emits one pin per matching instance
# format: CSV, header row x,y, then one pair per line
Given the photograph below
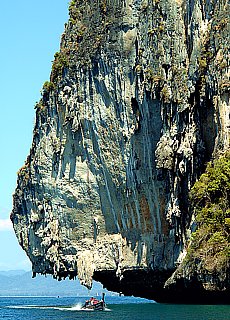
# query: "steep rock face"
x,y
136,104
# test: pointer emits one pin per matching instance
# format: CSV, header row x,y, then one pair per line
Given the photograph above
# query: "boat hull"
x,y
100,306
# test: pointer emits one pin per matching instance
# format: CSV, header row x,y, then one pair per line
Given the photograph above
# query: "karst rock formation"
x,y
136,105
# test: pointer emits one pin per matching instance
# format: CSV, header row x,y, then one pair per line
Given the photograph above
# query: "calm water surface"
x,y
121,308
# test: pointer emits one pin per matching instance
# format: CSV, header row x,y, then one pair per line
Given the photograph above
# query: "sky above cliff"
x,y
30,35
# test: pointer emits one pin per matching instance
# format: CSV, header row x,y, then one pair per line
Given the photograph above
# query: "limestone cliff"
x,y
136,104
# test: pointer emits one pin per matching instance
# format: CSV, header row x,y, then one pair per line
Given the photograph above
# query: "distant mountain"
x,y
21,283
11,273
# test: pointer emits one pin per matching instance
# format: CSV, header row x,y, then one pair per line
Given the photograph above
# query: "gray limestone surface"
x,y
137,102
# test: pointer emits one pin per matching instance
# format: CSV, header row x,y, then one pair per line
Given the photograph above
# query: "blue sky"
x,y
30,34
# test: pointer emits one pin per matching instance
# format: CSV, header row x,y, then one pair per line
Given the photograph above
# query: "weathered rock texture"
x,y
136,104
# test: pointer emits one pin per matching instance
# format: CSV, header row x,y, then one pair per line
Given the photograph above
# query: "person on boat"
x,y
93,301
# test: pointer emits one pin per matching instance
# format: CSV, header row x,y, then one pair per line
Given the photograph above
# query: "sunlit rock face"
x,y
136,104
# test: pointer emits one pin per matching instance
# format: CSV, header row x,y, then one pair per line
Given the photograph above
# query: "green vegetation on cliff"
x,y
210,197
59,64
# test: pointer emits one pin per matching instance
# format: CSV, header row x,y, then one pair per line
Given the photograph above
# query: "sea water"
x,y
119,308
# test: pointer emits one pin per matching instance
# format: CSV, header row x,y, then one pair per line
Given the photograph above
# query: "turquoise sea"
x,y
119,308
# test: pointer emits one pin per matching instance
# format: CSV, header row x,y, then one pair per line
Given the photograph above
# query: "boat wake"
x,y
76,307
